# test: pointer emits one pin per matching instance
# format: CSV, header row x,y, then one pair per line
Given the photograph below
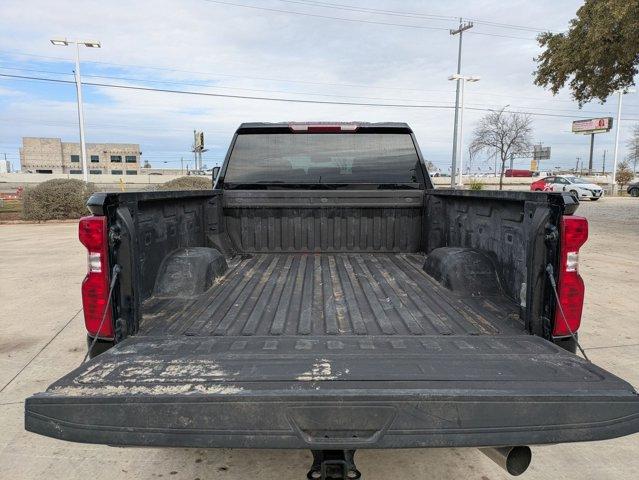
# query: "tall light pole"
x,y
63,42
613,182
460,31
459,147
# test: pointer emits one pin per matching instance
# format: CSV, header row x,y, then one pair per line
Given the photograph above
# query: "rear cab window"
x,y
291,159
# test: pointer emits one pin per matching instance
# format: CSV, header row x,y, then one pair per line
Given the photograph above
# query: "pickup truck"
x,y
323,295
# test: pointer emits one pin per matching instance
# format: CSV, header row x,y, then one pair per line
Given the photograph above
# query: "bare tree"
x,y
502,134
624,175
633,148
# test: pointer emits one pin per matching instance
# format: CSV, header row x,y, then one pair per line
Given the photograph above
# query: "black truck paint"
x,y
333,318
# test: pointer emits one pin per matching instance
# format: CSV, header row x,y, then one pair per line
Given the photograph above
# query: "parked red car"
x,y
541,185
518,173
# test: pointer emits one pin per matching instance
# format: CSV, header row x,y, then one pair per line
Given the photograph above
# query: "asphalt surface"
x,y
42,338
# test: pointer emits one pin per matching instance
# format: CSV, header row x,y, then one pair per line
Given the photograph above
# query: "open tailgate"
x,y
335,392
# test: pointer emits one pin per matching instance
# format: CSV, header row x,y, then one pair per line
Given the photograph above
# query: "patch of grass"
x,y
11,210
476,184
11,206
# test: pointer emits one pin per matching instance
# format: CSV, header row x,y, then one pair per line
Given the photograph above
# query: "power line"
x,y
296,93
171,82
356,20
411,14
285,100
328,17
270,79
223,95
283,80
376,11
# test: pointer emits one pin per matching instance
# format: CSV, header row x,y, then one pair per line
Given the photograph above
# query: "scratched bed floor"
x,y
330,294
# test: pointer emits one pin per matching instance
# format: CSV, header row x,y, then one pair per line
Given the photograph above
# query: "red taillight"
x,y
570,286
95,287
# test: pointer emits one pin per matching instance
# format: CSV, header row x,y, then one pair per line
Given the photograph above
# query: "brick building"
x,y
52,155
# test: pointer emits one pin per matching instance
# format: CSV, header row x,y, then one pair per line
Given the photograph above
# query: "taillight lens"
x,y
570,286
95,287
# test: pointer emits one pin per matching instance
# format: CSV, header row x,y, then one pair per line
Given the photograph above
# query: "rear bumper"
x,y
399,419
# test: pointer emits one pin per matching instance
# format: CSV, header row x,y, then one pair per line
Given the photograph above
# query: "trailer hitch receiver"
x,y
333,465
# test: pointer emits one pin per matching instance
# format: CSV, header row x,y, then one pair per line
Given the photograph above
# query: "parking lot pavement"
x,y
42,338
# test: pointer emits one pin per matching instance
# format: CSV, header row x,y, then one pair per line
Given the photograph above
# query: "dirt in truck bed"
x,y
330,294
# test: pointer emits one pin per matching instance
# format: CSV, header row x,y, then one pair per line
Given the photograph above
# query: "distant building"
x,y
52,155
5,166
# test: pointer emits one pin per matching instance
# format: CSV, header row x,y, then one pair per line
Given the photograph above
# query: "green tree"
x,y
597,56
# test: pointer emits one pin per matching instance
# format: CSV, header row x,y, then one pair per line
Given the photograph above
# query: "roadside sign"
x,y
199,140
592,125
541,153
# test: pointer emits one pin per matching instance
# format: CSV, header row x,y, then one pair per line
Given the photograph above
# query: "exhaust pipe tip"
x,y
515,460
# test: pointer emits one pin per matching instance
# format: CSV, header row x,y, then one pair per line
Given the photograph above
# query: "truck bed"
x,y
330,294
351,346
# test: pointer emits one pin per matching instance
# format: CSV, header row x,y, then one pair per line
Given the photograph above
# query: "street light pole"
x,y
459,146
460,182
460,31
78,86
613,182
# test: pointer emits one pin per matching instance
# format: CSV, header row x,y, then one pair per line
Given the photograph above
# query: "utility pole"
x,y
460,31
182,165
603,169
577,165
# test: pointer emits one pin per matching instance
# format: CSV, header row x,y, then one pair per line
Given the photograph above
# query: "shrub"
x,y
476,184
624,174
56,199
187,183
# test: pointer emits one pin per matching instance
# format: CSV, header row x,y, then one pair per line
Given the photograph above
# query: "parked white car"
x,y
569,183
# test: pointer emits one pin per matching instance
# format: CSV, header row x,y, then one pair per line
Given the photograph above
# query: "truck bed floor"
x,y
330,294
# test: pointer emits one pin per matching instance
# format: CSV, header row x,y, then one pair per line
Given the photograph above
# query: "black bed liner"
x,y
330,294
387,358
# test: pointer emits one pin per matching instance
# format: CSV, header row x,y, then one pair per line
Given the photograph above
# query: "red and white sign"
x,y
592,125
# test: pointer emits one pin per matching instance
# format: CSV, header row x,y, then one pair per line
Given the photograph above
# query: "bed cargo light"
x,y
322,127
570,285
95,287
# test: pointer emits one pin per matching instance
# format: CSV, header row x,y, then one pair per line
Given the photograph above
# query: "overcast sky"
x,y
225,48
